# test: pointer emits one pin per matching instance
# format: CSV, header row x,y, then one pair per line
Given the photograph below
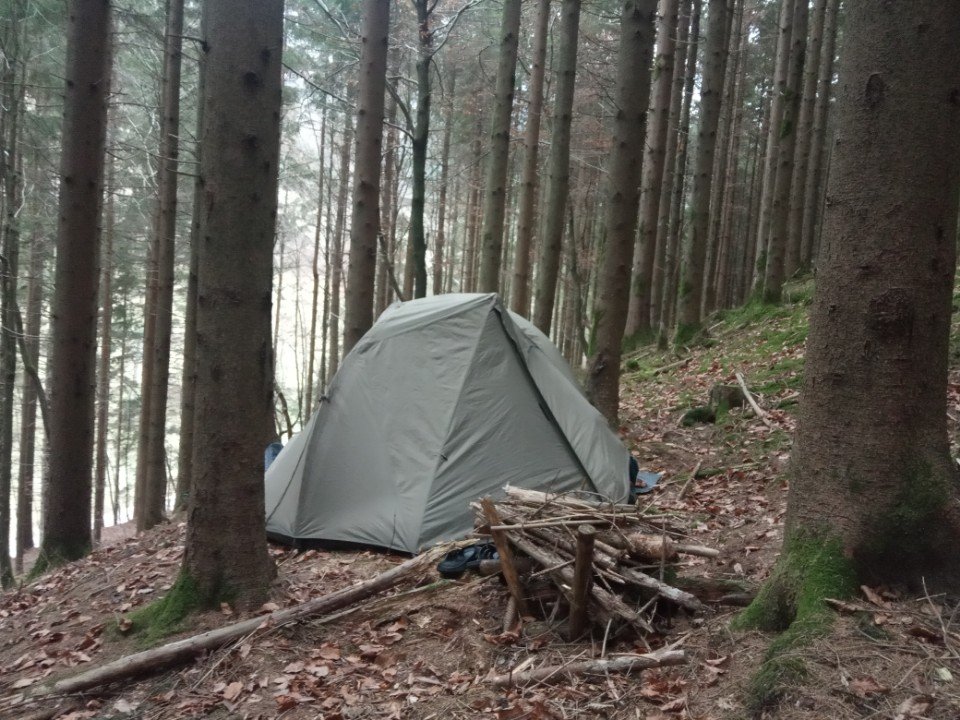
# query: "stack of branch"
x,y
607,560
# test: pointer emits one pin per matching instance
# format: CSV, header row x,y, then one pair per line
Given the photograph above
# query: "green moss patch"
x,y
54,555
791,602
166,615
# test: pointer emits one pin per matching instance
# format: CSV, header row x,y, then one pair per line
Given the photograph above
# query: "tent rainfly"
x,y
446,399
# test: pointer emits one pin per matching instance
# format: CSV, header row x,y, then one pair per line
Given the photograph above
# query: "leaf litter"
x,y
427,656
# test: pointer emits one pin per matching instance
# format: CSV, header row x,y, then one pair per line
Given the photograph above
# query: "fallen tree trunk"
x,y
182,650
626,663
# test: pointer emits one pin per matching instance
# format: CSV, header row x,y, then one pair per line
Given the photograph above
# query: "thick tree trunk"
x,y
526,204
28,415
155,482
226,548
495,190
336,269
623,173
66,507
777,240
559,186
873,491
691,288
778,101
103,372
365,222
813,185
654,159
880,321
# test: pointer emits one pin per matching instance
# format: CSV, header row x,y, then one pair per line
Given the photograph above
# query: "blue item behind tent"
x,y
270,454
646,481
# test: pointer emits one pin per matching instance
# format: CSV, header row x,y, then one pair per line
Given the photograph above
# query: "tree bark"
x,y
12,176
727,252
440,241
419,142
559,186
715,249
623,173
28,415
777,240
155,483
188,383
66,507
778,100
365,222
801,164
336,270
495,190
873,491
526,204
469,283
691,289
225,545
671,224
654,159
103,372
315,268
813,185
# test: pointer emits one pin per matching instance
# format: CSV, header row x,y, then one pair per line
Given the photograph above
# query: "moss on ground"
x,y
54,555
791,602
166,615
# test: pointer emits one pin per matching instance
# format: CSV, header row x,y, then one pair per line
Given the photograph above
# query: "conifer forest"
x,y
735,220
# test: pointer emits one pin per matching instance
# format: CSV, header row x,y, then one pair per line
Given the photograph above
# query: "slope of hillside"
x,y
427,652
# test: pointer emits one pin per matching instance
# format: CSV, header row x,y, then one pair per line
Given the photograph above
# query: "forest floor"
x,y
888,655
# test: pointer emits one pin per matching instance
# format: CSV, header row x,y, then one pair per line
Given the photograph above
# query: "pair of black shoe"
x,y
459,561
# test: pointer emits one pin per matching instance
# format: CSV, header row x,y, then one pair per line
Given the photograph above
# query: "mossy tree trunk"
x,y
226,549
872,440
874,491
623,174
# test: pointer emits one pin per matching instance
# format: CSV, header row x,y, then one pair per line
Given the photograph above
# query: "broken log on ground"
x,y
180,651
623,663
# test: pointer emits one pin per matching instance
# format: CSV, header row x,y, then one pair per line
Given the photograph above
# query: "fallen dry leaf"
x,y
232,691
914,707
866,686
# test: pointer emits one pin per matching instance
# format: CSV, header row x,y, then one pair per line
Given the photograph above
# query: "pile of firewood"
x,y
607,560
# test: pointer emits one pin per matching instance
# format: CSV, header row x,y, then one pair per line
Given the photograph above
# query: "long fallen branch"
x,y
626,663
182,650
757,410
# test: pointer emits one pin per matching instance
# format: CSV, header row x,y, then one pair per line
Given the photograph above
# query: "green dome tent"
x,y
446,399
